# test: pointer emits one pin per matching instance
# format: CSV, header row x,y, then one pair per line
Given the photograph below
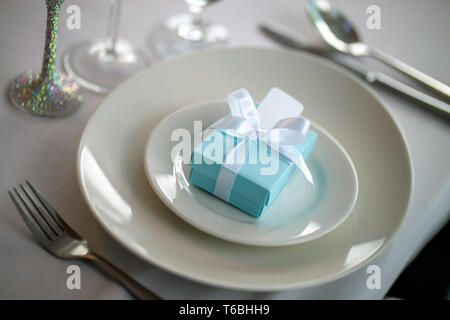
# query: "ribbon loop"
x,y
290,131
242,105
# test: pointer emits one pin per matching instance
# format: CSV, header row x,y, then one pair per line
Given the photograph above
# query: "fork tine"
x,y
55,216
37,231
43,227
42,213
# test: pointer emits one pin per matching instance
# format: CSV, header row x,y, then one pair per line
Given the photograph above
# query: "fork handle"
x,y
425,79
125,280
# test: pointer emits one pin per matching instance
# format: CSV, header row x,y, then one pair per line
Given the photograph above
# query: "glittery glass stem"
x,y
46,93
48,71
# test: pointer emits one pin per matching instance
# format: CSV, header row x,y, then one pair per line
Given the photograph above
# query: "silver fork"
x,y
58,238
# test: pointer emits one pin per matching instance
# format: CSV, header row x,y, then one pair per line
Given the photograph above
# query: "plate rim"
x,y
211,281
200,227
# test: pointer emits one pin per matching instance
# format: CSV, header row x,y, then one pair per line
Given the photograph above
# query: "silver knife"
x,y
373,77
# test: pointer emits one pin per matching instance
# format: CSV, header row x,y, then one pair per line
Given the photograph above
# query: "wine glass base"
x,y
174,37
45,97
98,68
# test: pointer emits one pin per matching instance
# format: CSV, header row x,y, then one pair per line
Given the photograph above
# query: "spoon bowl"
x,y
339,33
338,23
335,28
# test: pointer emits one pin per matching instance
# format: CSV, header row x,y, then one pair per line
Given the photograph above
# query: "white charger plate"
x,y
113,182
300,213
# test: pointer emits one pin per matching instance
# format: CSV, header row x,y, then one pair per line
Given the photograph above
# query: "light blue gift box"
x,y
251,192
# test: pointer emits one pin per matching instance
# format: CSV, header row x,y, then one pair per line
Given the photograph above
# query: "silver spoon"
x,y
287,38
339,33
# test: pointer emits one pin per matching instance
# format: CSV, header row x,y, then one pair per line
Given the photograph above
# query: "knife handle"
x,y
425,79
427,100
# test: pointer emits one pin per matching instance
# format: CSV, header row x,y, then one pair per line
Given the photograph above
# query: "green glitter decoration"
x,y
47,93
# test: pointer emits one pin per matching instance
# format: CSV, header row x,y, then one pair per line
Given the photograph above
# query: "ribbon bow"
x,y
269,125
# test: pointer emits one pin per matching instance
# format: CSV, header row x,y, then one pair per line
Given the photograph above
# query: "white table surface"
x,y
44,150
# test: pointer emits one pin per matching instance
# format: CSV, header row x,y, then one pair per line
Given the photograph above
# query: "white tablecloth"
x,y
44,150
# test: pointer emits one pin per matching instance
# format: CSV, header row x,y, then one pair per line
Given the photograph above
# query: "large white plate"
x,y
113,180
300,213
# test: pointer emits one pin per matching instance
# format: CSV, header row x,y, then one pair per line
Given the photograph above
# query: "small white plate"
x,y
300,212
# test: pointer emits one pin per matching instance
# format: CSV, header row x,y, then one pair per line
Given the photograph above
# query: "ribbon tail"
x,y
296,157
305,170
235,126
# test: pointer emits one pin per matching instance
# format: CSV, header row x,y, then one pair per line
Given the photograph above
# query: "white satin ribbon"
x,y
245,123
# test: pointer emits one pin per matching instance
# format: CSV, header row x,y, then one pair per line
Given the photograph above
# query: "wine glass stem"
x,y
113,28
197,15
48,70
